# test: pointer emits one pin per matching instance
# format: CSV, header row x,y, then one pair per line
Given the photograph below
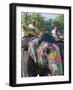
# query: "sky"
x,y
49,15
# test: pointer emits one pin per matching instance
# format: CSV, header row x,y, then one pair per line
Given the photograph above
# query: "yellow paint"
x,y
53,55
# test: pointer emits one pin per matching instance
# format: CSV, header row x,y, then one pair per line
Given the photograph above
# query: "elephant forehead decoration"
x,y
46,54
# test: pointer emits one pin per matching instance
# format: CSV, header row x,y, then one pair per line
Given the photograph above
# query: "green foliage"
x,y
59,21
41,22
29,16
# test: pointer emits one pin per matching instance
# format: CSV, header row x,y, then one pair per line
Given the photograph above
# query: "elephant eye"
x,y
47,51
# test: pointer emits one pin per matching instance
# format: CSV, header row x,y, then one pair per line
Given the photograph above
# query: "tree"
x,y
37,16
41,22
59,21
49,25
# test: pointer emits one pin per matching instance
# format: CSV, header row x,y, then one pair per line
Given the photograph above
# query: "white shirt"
x,y
54,34
32,27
